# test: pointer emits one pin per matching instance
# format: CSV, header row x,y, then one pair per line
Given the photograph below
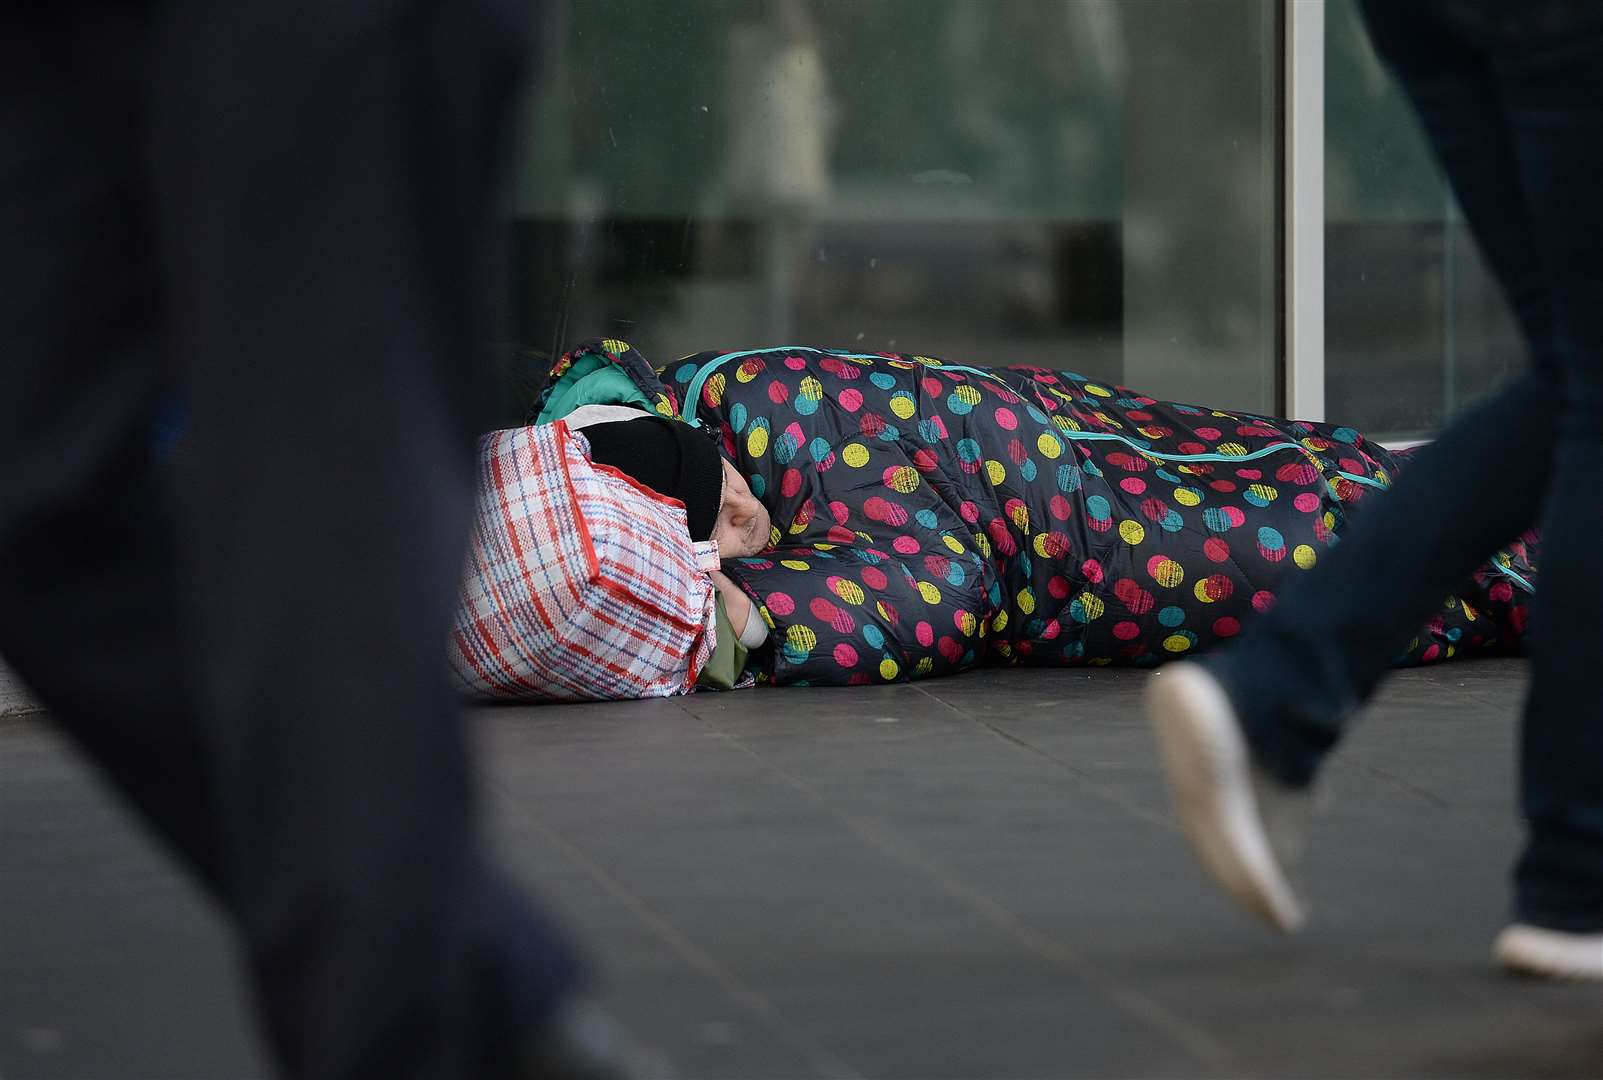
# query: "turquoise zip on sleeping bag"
x,y
687,411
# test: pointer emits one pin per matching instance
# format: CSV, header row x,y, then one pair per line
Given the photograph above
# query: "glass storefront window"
x,y
1088,185
1415,326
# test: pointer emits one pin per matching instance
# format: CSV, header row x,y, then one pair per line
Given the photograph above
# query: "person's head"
x,y
743,524
679,461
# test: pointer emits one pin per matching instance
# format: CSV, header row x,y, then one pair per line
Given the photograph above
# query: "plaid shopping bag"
x,y
581,584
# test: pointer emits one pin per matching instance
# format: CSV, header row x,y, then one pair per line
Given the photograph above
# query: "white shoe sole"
x,y
1206,759
1550,954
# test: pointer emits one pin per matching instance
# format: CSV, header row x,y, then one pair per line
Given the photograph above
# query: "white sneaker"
x,y
1244,826
1551,954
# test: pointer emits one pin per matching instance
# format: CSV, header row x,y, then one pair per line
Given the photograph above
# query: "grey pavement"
x,y
976,877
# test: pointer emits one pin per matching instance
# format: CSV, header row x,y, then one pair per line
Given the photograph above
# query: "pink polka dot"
x,y
1092,571
1216,549
1226,627
925,460
778,392
790,483
850,400
931,386
795,363
840,512
1307,502
1250,474
1221,485
1006,419
1058,586
1212,434
845,655
905,545
840,534
1431,652
969,511
874,578
1126,630
1133,484
1060,508
1193,448
925,633
779,603
1262,601
1054,545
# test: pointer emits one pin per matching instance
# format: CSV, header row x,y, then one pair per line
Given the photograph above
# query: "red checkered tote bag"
x,y
581,584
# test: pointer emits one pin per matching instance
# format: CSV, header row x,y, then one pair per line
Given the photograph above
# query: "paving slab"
x,y
963,878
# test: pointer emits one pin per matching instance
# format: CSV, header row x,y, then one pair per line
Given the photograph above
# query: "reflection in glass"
x,y
1088,185
1415,325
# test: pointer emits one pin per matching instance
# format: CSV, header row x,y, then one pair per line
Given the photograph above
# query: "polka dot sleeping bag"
x,y
930,516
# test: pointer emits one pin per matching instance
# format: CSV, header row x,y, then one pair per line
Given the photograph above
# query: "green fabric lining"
x,y
728,658
592,380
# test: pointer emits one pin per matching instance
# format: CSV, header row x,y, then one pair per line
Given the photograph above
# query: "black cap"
x,y
669,457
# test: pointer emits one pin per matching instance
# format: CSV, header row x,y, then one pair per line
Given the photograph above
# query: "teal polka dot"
x,y
1098,508
882,379
737,417
926,518
1172,615
872,635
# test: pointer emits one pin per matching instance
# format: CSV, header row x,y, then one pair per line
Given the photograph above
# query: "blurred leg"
x,y
1550,74
90,596
323,176
1334,633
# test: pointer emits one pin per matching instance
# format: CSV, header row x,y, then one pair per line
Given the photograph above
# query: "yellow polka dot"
x,y
773,534
1091,604
903,407
793,564
714,388
952,543
1049,445
884,612
1469,612
1187,496
984,544
995,470
967,623
967,394
1066,423
1021,518
888,669
810,389
615,347
849,591
801,637
745,374
927,361
1026,601
1131,532
798,525
757,442
663,408
1099,391
1177,643
929,592
1201,591
924,666
1330,520
1231,449
1264,492
1041,540
1304,556
903,479
855,455
999,622
1168,573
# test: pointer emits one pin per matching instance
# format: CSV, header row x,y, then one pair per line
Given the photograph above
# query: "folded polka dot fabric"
x,y
929,516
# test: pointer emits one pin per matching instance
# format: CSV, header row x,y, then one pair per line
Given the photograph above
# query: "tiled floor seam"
x,y
1173,1028
824,1062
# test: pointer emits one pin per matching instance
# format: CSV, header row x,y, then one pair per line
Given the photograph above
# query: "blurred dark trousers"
x,y
279,213
1511,96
